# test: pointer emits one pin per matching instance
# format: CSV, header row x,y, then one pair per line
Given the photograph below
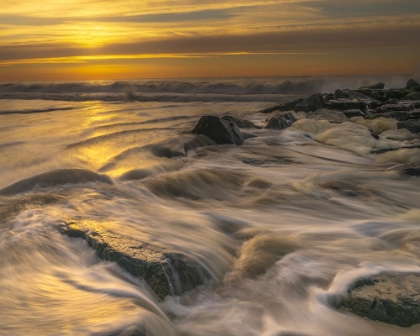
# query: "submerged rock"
x,y
280,121
219,130
377,86
289,106
55,177
166,272
241,123
310,104
411,84
390,298
411,170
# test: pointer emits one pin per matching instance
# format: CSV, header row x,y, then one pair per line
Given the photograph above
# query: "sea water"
x,y
283,224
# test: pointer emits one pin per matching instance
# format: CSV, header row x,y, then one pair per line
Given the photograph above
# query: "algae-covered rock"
x,y
166,272
390,298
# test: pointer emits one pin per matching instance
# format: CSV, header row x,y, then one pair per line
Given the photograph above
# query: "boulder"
x,y
411,84
241,123
412,125
397,115
338,94
390,298
377,86
280,121
332,116
394,108
310,104
411,170
166,272
289,106
219,130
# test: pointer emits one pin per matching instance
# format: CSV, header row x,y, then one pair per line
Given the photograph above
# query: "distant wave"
x,y
246,89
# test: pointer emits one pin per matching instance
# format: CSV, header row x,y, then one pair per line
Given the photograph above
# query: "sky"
x,y
115,39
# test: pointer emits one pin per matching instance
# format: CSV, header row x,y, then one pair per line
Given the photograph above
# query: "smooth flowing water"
x,y
282,224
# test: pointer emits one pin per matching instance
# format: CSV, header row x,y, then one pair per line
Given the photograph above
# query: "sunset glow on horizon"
x,y
103,39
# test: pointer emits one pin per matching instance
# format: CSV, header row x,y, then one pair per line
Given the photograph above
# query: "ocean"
x,y
280,226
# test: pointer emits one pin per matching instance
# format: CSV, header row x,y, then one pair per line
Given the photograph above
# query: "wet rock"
x,y
413,96
354,113
332,116
390,298
328,96
397,115
55,177
310,104
345,104
289,106
412,125
411,84
411,170
377,86
394,94
280,121
394,107
248,136
221,131
374,135
166,272
241,123
339,94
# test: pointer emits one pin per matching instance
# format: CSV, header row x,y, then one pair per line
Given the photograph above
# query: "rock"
x,y
324,114
166,272
289,106
221,131
248,136
377,86
411,84
390,298
241,123
55,177
397,115
393,107
328,96
310,104
394,94
354,113
413,96
411,170
338,94
374,135
281,121
412,125
345,104
378,95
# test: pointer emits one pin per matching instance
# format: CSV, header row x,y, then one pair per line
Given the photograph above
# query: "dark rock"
x,y
386,150
374,135
338,94
55,177
248,136
377,86
241,123
345,104
394,107
397,115
289,106
328,96
166,272
331,116
394,94
411,170
221,131
413,96
281,121
310,104
412,125
411,84
378,95
390,298
354,113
